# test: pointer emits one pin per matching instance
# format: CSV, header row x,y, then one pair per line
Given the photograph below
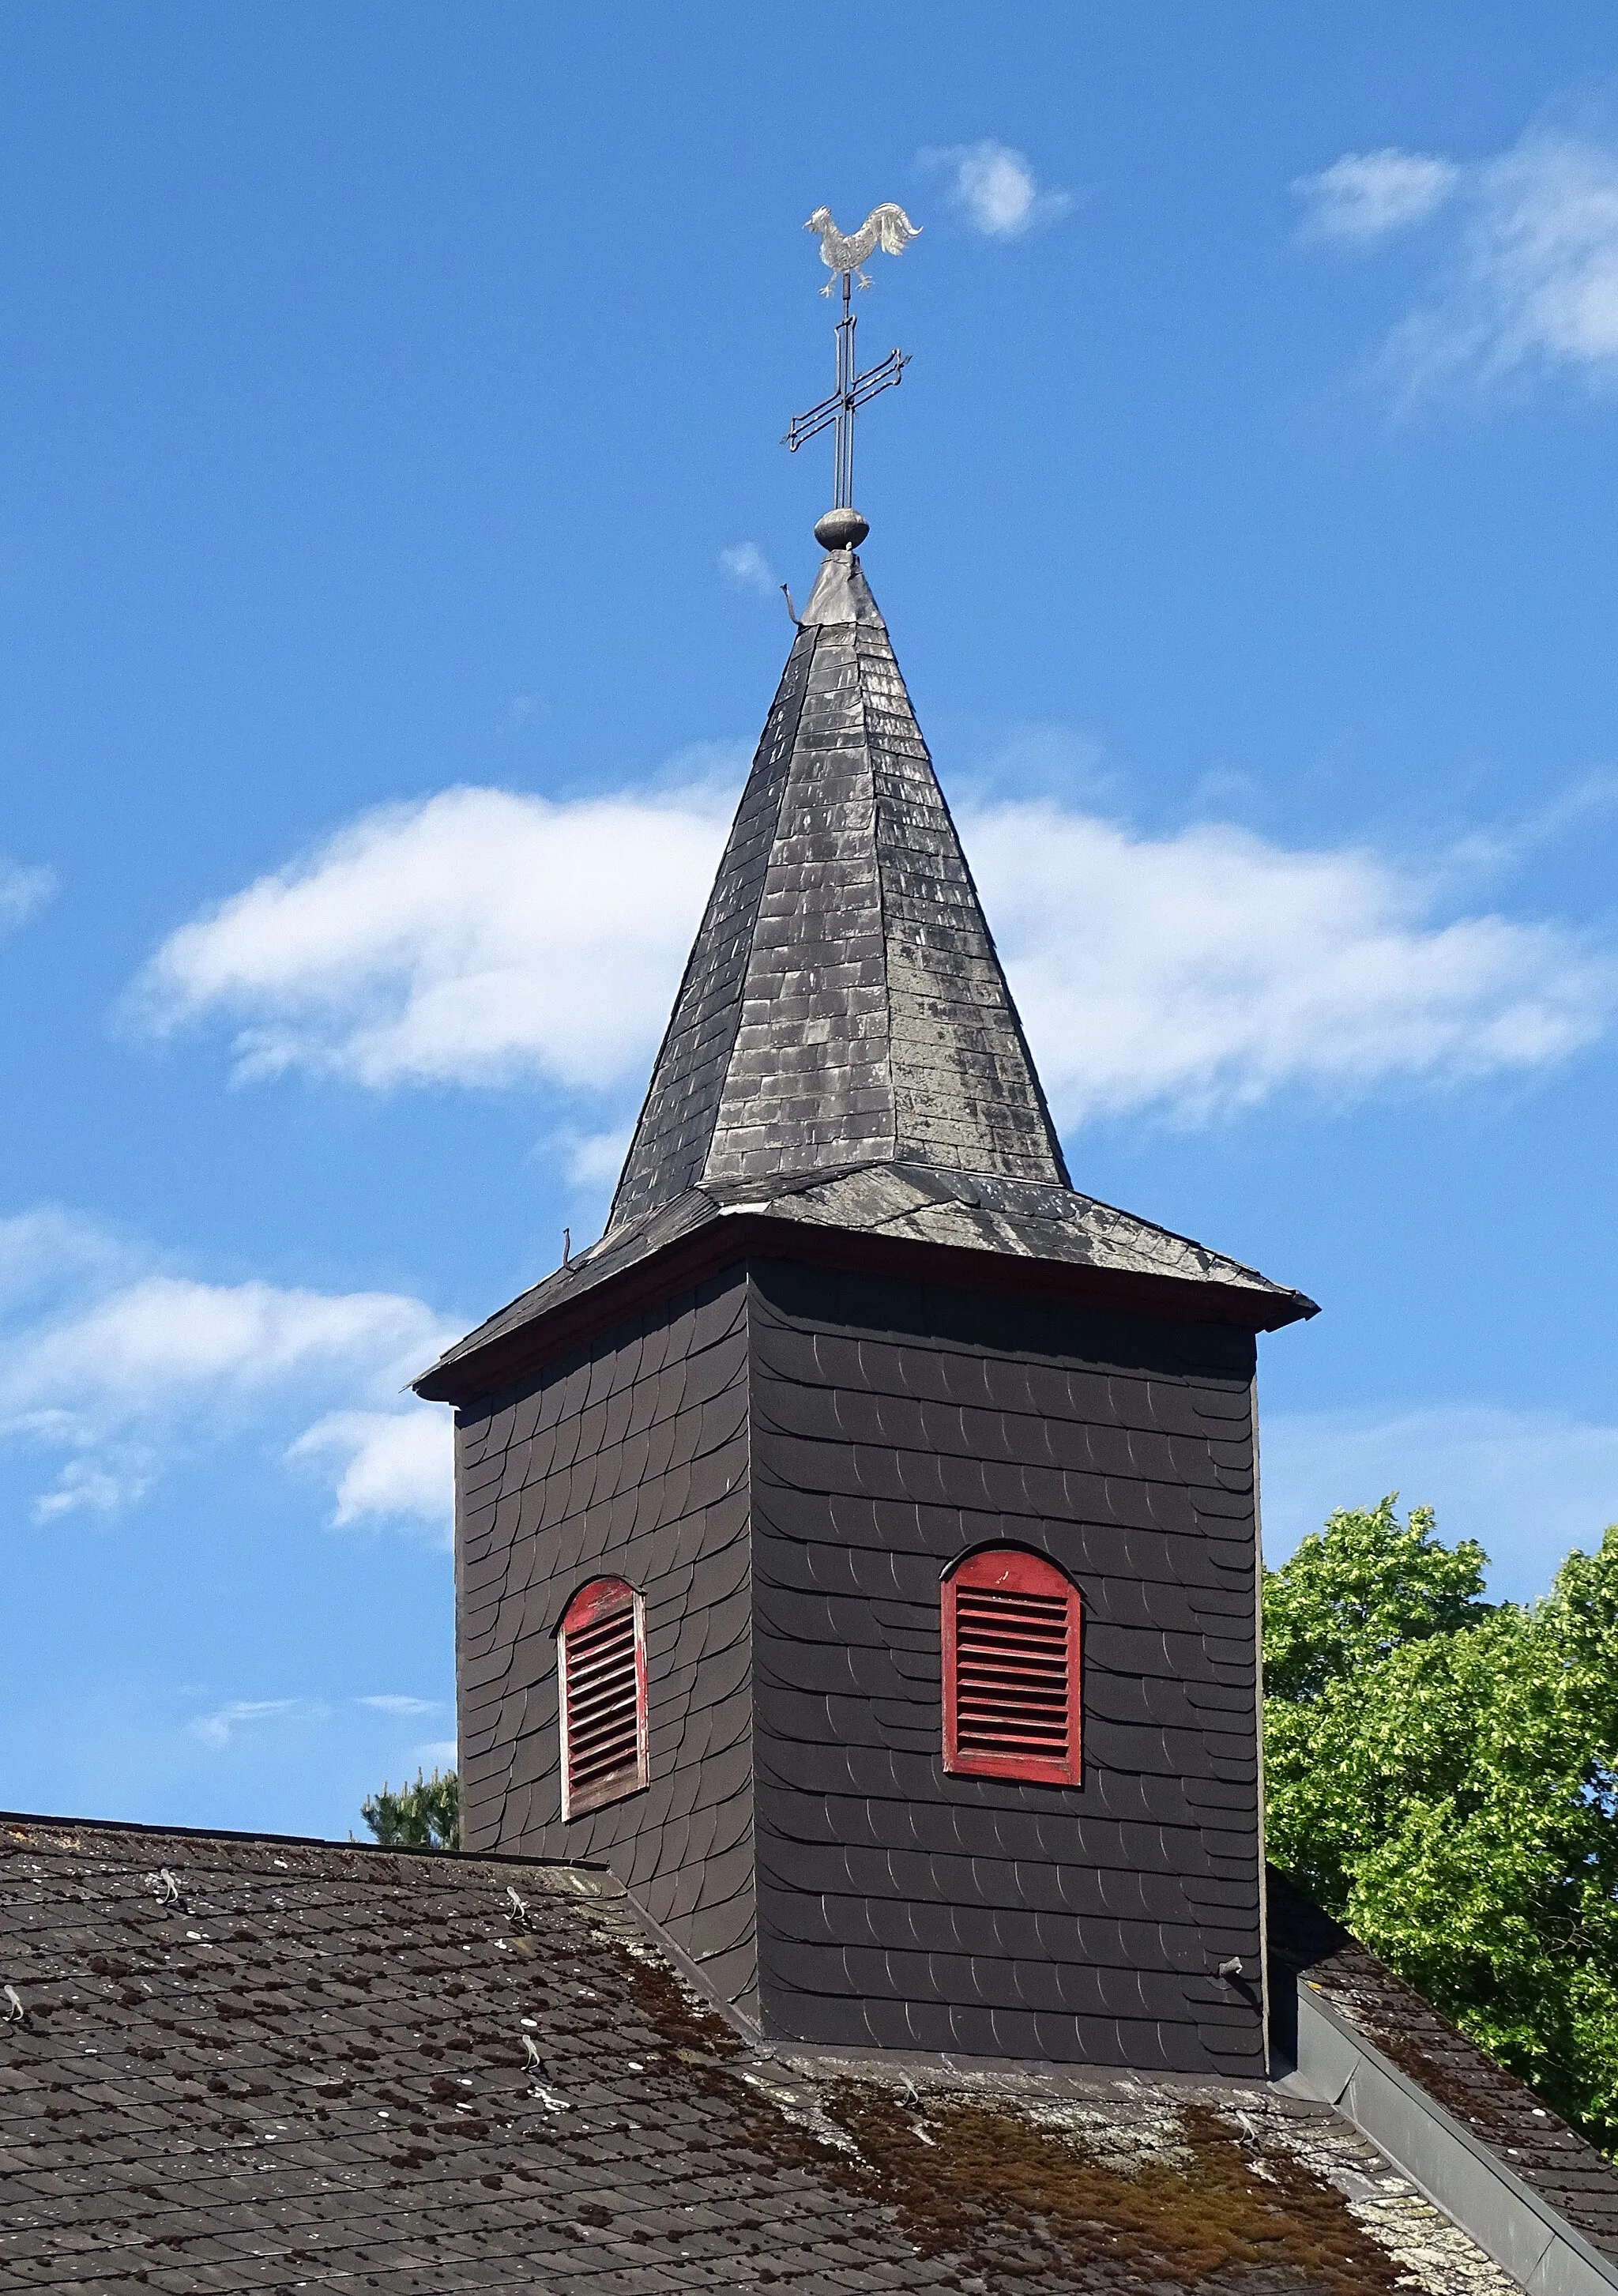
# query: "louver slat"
x,y
1011,1670
603,1697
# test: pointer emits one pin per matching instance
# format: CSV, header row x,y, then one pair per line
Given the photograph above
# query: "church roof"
x,y
249,2063
844,1059
1504,2119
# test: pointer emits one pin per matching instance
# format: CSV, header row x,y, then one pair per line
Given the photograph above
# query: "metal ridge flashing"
x,y
1479,2190
693,1975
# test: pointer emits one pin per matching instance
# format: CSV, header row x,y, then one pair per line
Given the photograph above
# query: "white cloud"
x,y
391,1702
1528,1486
479,937
1527,284
86,1487
1206,971
43,1250
703,778
1367,196
389,1463
22,891
993,187
218,1728
112,1364
1194,972
745,567
438,1754
173,1336
593,1160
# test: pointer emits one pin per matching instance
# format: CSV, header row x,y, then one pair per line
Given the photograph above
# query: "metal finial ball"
x,y
841,529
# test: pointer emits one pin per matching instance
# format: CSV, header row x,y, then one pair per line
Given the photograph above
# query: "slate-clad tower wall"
x,y
785,1464
848,1324
628,1457
895,1427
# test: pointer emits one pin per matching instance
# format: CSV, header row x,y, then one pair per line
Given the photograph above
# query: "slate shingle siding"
x,y
784,1463
631,1458
895,1427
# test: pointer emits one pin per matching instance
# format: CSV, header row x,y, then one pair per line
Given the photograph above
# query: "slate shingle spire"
x,y
844,1055
843,1005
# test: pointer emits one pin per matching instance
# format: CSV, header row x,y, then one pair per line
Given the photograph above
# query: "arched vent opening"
x,y
602,1659
1011,1669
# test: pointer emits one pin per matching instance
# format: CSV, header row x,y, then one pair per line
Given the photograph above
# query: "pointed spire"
x,y
844,1052
843,1003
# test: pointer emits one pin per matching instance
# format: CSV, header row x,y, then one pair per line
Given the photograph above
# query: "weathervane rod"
x,y
889,228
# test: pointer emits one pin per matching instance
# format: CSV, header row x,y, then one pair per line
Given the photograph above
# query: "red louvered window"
x,y
1011,1669
602,1657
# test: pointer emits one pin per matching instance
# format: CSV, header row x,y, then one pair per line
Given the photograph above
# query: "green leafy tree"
x,y
426,1816
1442,1775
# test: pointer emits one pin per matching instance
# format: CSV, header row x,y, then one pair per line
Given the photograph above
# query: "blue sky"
x,y
390,513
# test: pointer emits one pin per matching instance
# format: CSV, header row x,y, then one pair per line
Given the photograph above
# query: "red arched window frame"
x,y
600,1656
1012,1707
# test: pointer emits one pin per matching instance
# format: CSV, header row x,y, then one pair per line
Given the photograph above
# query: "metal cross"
x,y
851,393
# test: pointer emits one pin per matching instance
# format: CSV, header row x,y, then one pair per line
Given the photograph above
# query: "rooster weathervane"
x,y
891,229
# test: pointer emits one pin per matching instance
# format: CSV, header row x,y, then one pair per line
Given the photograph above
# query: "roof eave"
x,y
467,1374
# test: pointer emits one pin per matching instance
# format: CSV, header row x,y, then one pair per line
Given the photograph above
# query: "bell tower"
x,y
906,1494
856,1548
